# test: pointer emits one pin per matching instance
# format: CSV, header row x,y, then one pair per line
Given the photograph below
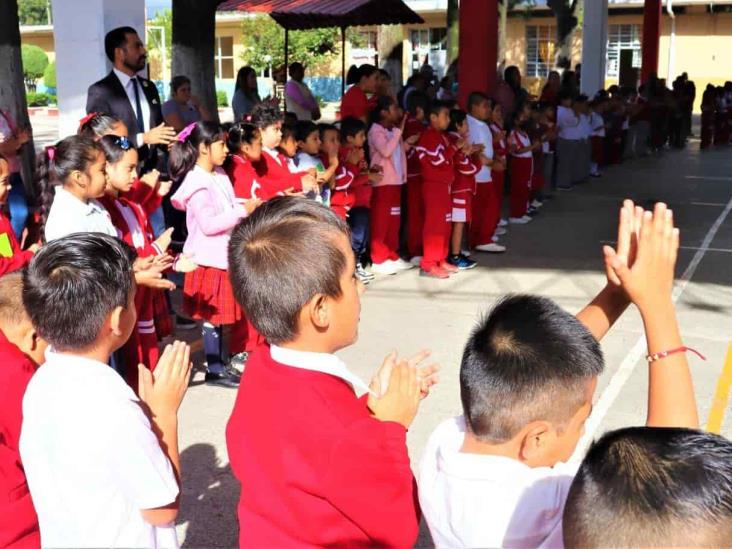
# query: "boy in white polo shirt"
x,y
102,466
497,477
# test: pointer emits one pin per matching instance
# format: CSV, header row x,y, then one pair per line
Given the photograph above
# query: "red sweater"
x,y
243,176
18,258
316,468
436,157
361,186
413,127
275,177
18,520
465,170
356,103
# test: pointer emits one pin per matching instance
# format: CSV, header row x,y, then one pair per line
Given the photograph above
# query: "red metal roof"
x,y
312,14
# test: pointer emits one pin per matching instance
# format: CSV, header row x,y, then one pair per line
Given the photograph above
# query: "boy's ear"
x,y
115,321
533,441
318,312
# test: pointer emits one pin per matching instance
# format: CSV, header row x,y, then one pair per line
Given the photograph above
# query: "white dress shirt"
x,y
476,500
318,362
480,134
128,86
91,458
70,215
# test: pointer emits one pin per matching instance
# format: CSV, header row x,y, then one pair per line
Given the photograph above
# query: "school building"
x,y
695,37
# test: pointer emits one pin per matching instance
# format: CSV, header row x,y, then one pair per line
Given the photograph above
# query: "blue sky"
x,y
154,5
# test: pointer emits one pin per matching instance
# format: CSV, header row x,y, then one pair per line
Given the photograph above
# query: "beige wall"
x,y
43,40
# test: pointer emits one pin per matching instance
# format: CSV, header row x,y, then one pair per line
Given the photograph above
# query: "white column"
x,y
79,29
594,45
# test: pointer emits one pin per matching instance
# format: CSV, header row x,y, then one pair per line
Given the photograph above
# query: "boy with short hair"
x,y
342,195
436,154
652,487
21,350
318,466
308,158
528,375
99,469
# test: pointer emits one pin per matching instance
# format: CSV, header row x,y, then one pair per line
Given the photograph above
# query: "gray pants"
x,y
584,157
567,159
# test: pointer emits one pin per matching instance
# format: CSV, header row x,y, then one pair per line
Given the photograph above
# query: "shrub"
x,y
35,62
221,99
49,76
40,99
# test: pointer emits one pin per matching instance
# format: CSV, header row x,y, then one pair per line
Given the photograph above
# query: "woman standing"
x,y
183,108
246,95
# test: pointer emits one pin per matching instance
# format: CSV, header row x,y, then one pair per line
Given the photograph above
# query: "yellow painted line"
x,y
721,395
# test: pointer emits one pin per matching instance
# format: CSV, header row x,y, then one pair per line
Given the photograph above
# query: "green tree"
x,y
264,44
49,76
34,12
35,62
163,18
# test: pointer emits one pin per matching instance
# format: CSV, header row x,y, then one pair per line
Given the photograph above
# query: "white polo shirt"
x,y
474,500
91,459
70,215
480,134
568,124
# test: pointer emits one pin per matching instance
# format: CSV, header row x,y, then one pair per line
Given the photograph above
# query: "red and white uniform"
x,y
415,203
17,258
522,167
342,197
464,187
360,188
274,175
436,155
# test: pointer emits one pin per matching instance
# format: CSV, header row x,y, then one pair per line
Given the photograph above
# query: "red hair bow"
x,y
86,119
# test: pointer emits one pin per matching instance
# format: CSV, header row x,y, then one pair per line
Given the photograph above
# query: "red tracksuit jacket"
x,y
342,197
275,177
361,187
244,177
436,157
316,468
413,127
465,169
18,258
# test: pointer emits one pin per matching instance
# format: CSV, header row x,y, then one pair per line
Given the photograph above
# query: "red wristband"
x,y
663,354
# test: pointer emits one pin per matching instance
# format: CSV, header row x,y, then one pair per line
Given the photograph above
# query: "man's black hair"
x,y
72,285
304,128
417,99
527,360
116,38
351,127
652,487
282,256
437,106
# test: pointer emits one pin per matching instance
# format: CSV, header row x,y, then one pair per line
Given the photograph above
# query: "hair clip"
x,y
248,118
183,135
84,121
51,152
123,143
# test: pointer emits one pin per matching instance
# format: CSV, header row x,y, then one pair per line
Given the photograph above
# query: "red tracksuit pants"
x,y
386,213
483,224
437,222
521,168
415,215
244,337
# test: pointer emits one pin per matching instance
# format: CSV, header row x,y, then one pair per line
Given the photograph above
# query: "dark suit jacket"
x,y
108,96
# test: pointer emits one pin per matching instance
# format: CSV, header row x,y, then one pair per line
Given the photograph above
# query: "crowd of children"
x,y
281,221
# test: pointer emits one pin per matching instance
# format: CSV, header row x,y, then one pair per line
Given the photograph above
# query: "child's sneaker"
x,y
466,253
416,260
502,223
500,231
238,362
492,248
520,220
536,203
363,274
452,269
434,272
461,262
402,265
385,268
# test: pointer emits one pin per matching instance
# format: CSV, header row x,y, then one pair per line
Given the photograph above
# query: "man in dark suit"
x,y
131,98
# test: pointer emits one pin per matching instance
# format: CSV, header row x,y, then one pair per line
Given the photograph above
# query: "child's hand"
x,y
375,177
354,156
412,139
403,123
34,247
185,264
426,375
650,280
400,401
151,178
309,182
164,240
292,192
163,390
164,187
629,224
251,204
153,278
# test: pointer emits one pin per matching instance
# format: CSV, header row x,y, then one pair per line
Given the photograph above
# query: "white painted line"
x,y
620,377
715,204
709,177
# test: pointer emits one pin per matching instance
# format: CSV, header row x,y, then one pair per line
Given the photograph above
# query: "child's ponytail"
x,y
74,153
184,153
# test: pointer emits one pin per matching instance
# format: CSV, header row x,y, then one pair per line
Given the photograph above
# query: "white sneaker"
x,y
520,220
416,260
537,204
401,265
385,268
491,248
466,253
502,223
500,231
494,238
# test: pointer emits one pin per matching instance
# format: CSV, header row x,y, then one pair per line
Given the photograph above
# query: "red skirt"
x,y
208,295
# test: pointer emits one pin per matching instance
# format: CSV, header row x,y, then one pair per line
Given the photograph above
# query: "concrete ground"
x,y
558,256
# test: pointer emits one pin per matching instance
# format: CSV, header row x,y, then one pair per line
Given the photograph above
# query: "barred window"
x,y
540,49
622,37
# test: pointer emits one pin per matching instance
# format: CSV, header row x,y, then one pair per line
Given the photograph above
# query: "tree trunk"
x,y
12,83
453,31
564,10
502,25
391,48
194,25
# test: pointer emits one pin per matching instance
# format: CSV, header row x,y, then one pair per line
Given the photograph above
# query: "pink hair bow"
x,y
51,152
183,135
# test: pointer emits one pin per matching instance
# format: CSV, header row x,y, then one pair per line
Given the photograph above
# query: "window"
x,y
369,40
224,57
540,49
622,37
428,45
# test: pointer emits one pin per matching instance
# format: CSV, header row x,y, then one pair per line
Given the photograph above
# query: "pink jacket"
x,y
212,211
382,145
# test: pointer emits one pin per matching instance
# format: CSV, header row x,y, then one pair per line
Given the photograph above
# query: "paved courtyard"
x,y
559,256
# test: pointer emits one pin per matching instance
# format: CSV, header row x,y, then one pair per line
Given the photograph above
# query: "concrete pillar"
x,y
79,29
478,47
594,46
651,37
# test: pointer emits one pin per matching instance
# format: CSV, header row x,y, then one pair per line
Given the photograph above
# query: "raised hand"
x,y
400,401
159,135
185,264
164,389
151,178
164,240
164,187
